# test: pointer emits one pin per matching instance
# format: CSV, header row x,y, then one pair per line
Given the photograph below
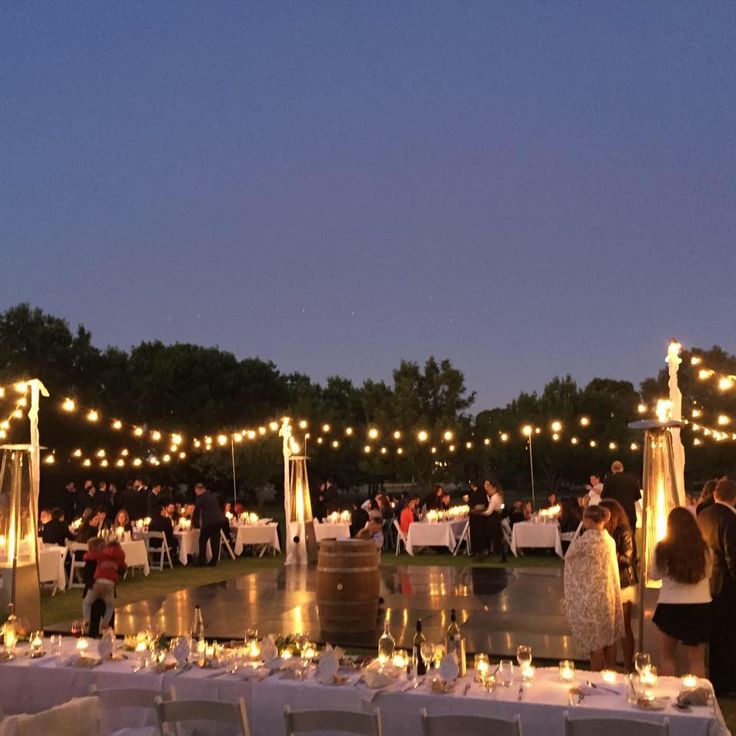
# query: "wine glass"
x,y
506,672
642,662
77,629
524,656
427,653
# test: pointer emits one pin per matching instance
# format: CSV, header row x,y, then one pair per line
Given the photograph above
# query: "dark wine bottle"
x,y
417,655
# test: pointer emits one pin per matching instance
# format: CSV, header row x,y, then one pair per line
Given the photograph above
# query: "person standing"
x,y
683,614
208,518
479,537
624,487
592,591
594,488
620,530
718,525
493,511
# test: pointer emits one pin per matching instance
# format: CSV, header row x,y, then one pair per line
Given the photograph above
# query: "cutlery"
x,y
602,687
521,691
466,688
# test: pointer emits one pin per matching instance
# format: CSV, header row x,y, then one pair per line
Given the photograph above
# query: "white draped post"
x,y
37,390
673,361
285,434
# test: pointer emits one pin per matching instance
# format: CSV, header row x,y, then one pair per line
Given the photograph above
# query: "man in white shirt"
x,y
493,511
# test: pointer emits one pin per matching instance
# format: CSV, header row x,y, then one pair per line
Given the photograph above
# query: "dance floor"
x,y
499,608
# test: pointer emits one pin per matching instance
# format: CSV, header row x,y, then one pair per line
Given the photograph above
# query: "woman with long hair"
x,y
682,562
592,591
620,530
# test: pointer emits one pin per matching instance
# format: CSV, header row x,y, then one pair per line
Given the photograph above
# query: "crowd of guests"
x,y
696,563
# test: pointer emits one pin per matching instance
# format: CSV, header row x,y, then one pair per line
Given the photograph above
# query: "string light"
x,y
447,435
423,435
526,430
326,428
584,421
373,433
68,405
117,424
92,415
397,434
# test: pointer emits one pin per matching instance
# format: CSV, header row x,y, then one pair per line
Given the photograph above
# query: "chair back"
x,y
79,716
131,697
340,721
615,727
468,725
172,712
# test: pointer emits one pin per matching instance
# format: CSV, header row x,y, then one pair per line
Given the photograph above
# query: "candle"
x,y
481,665
382,659
254,649
286,654
400,659
209,651
527,672
608,676
649,676
567,670
82,645
689,681
201,646
36,642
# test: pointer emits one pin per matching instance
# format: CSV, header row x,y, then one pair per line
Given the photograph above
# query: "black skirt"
x,y
688,623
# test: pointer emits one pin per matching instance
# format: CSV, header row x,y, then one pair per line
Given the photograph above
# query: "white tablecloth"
x,y
188,544
436,534
267,534
331,531
528,534
32,685
51,565
136,555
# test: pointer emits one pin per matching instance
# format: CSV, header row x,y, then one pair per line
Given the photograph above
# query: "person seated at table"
x,y
44,517
383,503
122,521
172,511
160,522
517,513
570,515
445,501
56,531
92,526
358,519
374,531
110,561
434,499
592,601
408,514
551,500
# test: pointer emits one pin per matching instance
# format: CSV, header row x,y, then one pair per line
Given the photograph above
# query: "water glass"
x,y
642,662
506,672
55,641
524,656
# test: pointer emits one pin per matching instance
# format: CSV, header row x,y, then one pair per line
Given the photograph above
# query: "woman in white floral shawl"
x,y
592,591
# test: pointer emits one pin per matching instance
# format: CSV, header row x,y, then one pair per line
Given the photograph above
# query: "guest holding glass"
x,y
620,530
592,591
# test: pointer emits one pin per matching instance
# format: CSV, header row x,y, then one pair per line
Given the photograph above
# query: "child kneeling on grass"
x,y
110,560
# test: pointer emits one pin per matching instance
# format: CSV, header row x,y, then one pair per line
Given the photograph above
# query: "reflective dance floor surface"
x,y
498,608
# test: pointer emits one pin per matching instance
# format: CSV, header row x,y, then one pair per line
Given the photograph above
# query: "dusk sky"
x,y
528,189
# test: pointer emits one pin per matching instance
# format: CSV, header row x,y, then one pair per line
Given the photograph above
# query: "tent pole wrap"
x,y
235,480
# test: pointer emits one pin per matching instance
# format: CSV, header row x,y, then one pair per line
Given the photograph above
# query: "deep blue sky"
x,y
526,188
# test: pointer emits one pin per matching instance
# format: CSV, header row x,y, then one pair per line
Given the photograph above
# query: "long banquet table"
x,y
31,685
437,534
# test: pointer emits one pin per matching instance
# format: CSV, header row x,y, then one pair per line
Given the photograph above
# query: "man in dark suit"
x,y
718,524
331,497
160,522
624,488
155,500
56,531
209,519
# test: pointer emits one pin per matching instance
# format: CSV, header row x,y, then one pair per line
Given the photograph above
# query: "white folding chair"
x,y
173,712
400,537
464,537
158,554
139,698
76,580
507,535
614,727
225,542
339,721
468,725
79,716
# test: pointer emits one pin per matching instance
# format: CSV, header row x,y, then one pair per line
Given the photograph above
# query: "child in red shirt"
x,y
110,561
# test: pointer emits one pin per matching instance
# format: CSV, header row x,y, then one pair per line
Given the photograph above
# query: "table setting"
x,y
540,533
440,528
271,672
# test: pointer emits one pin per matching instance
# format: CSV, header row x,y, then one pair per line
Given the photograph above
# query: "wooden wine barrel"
x,y
348,586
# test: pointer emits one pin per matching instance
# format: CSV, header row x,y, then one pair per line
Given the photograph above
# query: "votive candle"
x,y
608,676
567,670
689,681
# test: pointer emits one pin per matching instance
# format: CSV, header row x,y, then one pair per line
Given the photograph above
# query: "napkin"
x,y
696,696
376,678
448,668
328,666
180,651
268,650
105,646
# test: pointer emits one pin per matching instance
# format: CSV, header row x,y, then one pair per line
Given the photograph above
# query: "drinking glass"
x,y
642,662
55,641
524,656
77,628
506,672
428,653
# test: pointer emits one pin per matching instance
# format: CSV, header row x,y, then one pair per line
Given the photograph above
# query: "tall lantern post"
x,y
673,361
297,505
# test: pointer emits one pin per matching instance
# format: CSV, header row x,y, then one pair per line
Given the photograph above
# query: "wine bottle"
x,y
417,650
197,627
455,642
386,644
